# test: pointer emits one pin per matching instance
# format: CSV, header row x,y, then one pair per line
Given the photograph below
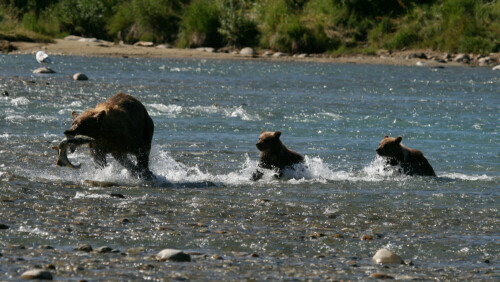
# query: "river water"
x,y
208,115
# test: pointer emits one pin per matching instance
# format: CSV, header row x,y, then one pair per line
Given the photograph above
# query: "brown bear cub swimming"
x,y
119,126
274,154
411,161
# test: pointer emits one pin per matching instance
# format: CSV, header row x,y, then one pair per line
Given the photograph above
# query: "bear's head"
x,y
269,141
88,123
390,147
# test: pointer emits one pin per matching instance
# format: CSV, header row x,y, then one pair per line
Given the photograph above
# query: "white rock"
x,y
496,67
304,55
279,54
37,274
173,255
206,49
247,51
83,39
384,256
80,76
43,70
144,44
267,54
73,37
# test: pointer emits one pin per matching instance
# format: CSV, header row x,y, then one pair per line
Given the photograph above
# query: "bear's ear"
x,y
277,134
74,114
100,115
263,130
398,139
387,136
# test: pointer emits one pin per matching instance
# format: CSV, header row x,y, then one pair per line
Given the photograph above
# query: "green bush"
x,y
199,25
236,28
81,17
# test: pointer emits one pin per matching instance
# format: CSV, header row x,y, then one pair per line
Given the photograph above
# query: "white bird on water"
x,y
42,57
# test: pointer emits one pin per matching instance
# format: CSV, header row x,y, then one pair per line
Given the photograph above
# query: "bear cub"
x,y
411,161
274,154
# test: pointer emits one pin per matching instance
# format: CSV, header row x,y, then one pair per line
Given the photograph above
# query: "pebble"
x,y
3,226
84,248
80,76
173,255
43,70
381,276
37,274
384,256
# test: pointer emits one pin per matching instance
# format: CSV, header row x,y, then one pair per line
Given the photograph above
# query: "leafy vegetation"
x,y
335,26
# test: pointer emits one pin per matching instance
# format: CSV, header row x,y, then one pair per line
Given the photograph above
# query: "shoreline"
x,y
98,48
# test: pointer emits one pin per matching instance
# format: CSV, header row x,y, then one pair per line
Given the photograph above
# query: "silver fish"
x,y
71,143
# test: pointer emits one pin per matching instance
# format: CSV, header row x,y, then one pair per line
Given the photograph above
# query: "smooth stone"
x,y
93,39
3,226
43,70
73,37
173,255
84,248
267,54
247,51
384,256
381,276
80,76
164,46
206,49
304,55
37,274
496,67
144,44
279,54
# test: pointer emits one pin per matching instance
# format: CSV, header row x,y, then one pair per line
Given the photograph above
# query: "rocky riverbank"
x,y
79,46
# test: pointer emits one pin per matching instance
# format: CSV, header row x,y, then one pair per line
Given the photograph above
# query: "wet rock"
x,y
462,58
217,257
84,248
408,262
173,255
104,249
146,266
447,57
315,235
496,67
3,226
135,250
247,51
253,255
117,195
80,76
37,274
366,237
123,220
381,276
43,70
144,44
352,263
338,235
46,247
384,256
5,93
50,266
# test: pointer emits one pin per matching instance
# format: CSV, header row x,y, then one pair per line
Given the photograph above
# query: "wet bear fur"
x,y
120,126
274,154
411,161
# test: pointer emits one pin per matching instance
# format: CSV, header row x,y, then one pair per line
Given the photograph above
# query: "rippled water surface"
x,y
208,116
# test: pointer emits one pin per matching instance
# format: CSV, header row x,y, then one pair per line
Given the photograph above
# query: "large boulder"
x,y
385,256
247,51
172,255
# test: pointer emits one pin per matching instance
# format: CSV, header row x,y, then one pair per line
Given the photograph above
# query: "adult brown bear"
x,y
120,126
274,154
411,161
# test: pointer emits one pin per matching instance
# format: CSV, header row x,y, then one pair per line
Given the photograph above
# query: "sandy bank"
x,y
109,49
